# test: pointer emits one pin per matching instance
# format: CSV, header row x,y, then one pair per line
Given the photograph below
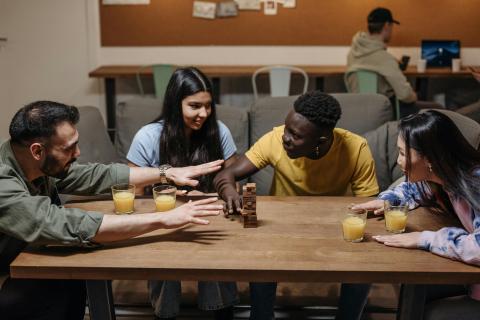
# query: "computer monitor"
x,y
439,53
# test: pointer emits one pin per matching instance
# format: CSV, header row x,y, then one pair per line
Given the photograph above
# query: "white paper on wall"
x,y
204,9
270,7
248,4
227,9
289,3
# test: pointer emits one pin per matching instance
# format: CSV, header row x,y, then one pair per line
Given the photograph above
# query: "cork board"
x,y
312,22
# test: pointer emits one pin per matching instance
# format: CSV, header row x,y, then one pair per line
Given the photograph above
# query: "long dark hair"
x,y
204,144
436,137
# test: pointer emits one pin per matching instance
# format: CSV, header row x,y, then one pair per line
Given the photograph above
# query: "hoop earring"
x,y
317,151
430,168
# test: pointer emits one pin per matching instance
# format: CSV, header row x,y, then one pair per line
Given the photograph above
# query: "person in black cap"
x,y
368,52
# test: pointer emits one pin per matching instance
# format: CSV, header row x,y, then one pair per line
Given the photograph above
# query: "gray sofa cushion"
x,y
135,113
131,115
363,112
94,142
360,113
469,127
472,111
383,145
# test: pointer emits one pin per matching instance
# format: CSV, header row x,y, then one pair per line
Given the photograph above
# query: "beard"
x,y
53,168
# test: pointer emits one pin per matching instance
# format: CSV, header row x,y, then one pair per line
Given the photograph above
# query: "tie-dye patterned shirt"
x,y
451,242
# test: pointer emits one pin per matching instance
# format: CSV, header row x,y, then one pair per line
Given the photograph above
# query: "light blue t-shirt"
x,y
145,148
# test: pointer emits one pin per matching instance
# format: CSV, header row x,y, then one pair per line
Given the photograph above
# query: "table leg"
x,y
421,87
111,105
216,89
412,302
320,83
100,300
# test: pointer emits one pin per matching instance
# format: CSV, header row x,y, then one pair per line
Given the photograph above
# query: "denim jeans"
x,y
353,298
165,296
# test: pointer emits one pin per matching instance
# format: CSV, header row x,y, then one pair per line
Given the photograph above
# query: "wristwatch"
x,y
163,173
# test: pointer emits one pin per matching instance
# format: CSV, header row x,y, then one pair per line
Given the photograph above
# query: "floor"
x,y
242,313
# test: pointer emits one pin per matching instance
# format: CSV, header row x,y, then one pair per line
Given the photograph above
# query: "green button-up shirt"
x,y
31,213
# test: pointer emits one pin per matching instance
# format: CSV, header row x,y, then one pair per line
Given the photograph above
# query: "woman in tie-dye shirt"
x,y
443,174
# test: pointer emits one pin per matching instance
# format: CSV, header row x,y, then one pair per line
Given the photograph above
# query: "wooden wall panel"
x,y
313,22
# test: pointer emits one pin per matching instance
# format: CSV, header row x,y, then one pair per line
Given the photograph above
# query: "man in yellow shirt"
x,y
310,158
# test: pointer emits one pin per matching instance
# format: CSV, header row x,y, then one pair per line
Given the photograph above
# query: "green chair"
x,y
161,77
368,83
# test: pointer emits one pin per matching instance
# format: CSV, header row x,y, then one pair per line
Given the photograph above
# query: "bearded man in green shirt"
x,y
36,164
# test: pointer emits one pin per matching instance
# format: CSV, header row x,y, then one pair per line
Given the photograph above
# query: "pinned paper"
x,y
227,9
248,4
289,3
203,9
270,7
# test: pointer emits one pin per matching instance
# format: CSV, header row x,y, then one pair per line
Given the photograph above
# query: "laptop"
x,y
439,53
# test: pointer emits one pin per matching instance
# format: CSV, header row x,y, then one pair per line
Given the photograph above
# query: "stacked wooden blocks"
x,y
249,211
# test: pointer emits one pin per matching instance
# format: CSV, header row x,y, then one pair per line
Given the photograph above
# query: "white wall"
x,y
53,44
46,56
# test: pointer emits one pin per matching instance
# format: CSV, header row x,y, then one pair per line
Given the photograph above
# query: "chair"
x,y
161,77
367,82
95,144
279,80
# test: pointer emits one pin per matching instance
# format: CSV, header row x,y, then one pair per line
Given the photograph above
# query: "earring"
x,y
317,151
430,167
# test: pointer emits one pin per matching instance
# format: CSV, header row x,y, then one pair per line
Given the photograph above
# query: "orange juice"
x,y
123,201
165,202
353,228
395,221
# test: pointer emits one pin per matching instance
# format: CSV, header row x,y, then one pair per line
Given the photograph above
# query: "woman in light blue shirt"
x,y
187,133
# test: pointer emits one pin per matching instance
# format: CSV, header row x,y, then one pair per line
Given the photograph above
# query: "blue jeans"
x,y
165,296
353,298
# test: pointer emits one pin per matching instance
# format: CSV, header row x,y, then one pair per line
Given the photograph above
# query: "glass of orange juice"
x,y
396,218
165,197
353,225
123,198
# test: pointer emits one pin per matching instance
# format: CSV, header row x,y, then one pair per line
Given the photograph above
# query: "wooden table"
x,y
299,239
319,72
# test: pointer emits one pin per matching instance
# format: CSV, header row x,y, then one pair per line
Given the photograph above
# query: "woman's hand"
x,y
184,176
404,240
191,212
377,206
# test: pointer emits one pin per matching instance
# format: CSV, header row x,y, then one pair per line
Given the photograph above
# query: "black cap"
x,y
381,15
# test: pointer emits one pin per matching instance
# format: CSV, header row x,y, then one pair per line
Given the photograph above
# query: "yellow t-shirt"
x,y
348,165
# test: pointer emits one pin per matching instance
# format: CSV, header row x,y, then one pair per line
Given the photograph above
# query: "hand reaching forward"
x,y
377,206
191,212
184,176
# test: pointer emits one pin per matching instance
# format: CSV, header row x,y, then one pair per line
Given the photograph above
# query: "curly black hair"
x,y
320,108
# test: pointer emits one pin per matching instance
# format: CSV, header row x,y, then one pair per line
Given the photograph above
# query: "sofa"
x,y
248,125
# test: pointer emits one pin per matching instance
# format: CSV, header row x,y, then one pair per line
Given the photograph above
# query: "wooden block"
x,y
250,204
250,221
249,199
246,211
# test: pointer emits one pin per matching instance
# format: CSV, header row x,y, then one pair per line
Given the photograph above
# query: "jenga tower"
x,y
249,211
